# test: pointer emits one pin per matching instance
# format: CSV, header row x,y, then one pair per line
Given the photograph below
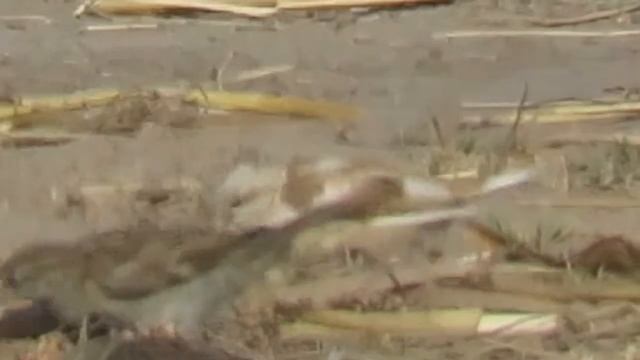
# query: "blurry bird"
x,y
282,194
150,276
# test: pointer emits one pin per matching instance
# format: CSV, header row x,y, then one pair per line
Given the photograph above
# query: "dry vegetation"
x,y
454,244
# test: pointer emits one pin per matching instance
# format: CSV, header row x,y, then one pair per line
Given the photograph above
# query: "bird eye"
x,y
9,280
236,202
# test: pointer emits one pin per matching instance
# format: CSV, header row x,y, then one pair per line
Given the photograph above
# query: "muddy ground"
x,y
395,64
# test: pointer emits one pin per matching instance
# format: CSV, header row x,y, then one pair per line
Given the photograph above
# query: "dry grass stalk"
x,y
256,9
324,4
562,112
509,324
511,143
251,8
40,18
465,174
475,34
301,331
584,202
463,322
261,72
442,296
598,15
17,113
19,139
78,100
120,27
235,23
269,104
560,284
499,105
586,139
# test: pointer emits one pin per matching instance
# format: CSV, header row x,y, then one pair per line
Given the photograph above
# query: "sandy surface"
x,y
397,65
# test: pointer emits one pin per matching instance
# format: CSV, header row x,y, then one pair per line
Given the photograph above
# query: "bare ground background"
x,y
391,63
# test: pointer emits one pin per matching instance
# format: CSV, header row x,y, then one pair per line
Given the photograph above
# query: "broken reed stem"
x,y
583,202
560,112
270,104
121,27
74,101
559,284
463,322
512,137
40,18
257,9
133,7
229,101
475,34
587,139
262,72
326,4
600,15
443,296
508,105
15,139
595,16
438,130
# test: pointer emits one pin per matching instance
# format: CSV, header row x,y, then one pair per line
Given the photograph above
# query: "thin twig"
x,y
222,68
595,16
583,202
587,139
523,350
117,27
438,130
320,4
471,34
512,137
150,6
44,19
261,72
203,93
87,7
31,139
476,105
460,174
236,23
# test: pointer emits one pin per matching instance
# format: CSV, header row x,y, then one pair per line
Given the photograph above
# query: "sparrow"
x,y
271,196
403,210
150,276
184,276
